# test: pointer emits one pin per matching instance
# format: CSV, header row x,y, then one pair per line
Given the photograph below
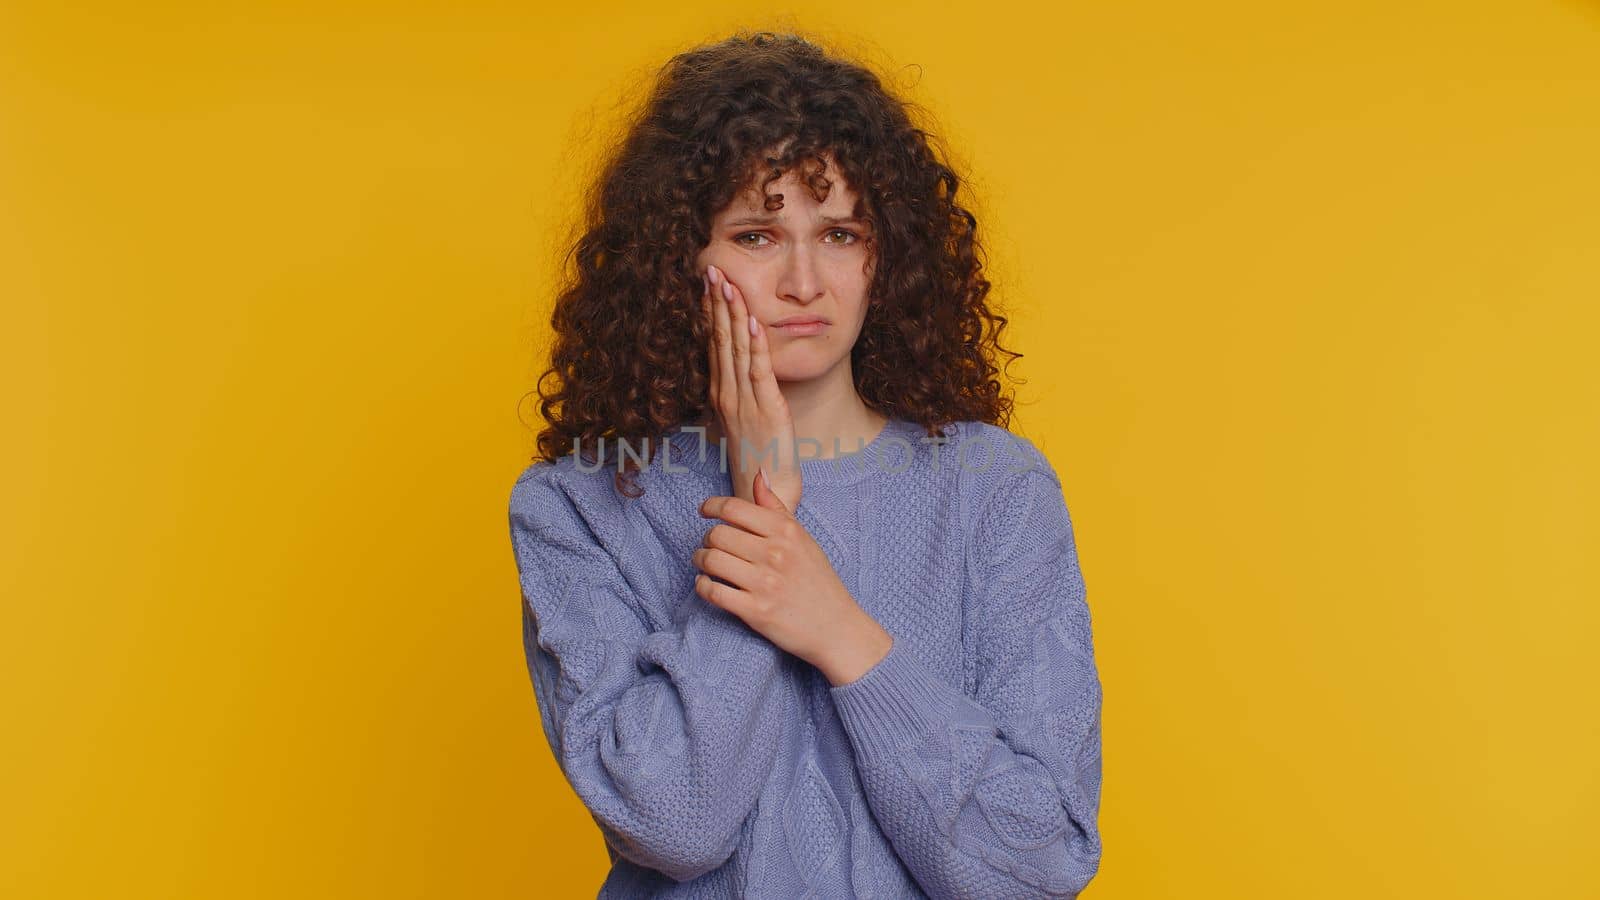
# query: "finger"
x,y
749,516
734,540
738,572
762,379
727,388
726,596
765,496
739,325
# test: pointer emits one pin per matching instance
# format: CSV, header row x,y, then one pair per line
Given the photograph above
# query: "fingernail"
x,y
754,328
727,290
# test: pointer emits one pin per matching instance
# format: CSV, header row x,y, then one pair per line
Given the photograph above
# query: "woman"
x,y
770,666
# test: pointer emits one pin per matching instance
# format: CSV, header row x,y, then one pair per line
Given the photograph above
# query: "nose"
x,y
799,281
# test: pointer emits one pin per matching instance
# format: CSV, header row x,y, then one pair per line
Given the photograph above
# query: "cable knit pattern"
x,y
966,763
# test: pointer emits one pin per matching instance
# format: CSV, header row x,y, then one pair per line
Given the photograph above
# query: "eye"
x,y
853,237
740,238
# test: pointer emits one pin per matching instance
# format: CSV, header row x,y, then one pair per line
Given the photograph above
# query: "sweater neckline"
x,y
849,467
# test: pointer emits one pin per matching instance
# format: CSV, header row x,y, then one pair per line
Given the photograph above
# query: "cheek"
x,y
861,316
849,279
704,258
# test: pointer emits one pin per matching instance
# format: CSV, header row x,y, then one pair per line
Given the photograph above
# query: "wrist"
x,y
855,652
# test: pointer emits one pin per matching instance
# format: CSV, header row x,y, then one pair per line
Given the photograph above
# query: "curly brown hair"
x,y
629,356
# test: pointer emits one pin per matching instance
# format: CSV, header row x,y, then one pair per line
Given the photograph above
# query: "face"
x,y
807,261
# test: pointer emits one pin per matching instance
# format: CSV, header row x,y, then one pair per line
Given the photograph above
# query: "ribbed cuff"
x,y
896,703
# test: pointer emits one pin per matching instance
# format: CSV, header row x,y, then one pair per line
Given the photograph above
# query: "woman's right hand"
x,y
751,411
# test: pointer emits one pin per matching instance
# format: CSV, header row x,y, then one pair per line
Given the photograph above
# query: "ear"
x,y
763,492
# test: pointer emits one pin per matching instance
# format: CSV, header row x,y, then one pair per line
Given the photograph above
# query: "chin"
x,y
801,370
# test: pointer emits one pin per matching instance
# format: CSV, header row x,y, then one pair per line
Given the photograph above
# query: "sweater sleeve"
x,y
666,735
995,795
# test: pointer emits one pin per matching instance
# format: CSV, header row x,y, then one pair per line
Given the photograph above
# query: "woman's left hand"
x,y
781,583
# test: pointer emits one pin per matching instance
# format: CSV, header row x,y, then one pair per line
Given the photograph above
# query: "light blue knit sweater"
x,y
965,764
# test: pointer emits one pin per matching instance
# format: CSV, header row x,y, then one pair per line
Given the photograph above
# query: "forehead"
x,y
797,196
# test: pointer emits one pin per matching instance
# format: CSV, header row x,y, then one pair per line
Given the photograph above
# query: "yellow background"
x,y
1308,295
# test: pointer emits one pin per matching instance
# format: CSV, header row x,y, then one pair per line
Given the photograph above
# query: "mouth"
x,y
799,326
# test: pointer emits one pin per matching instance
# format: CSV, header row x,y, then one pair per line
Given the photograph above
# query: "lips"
x,y
805,327
799,320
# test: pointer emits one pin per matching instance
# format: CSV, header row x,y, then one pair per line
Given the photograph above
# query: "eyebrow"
x,y
772,220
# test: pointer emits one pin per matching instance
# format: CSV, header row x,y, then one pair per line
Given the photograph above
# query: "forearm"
x,y
677,761
972,809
